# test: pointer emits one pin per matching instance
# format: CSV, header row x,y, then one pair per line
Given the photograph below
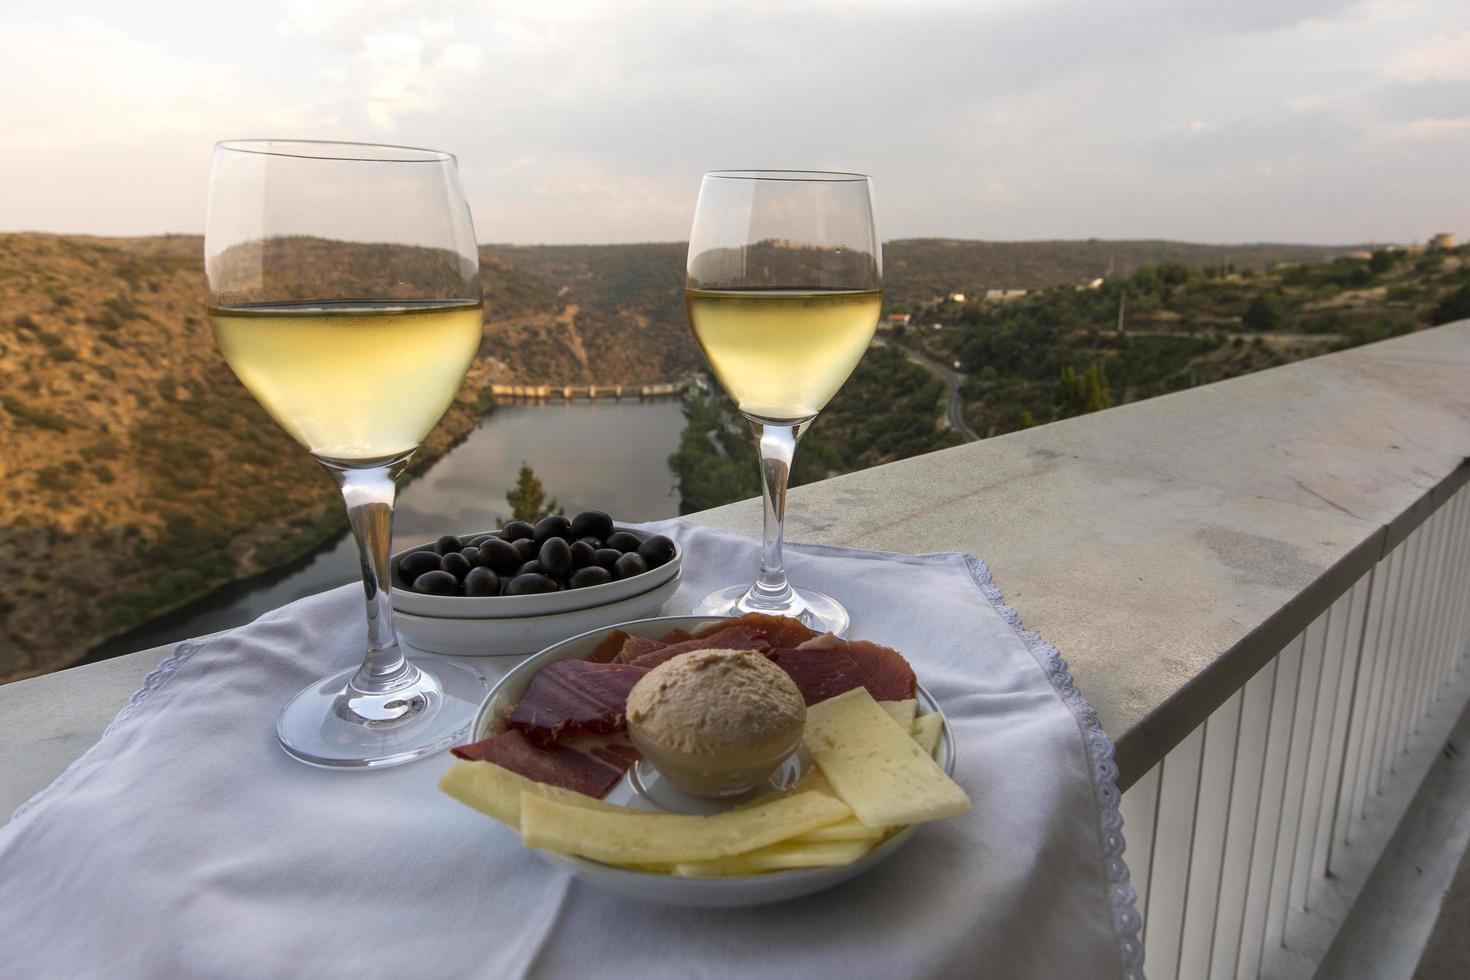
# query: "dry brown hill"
x,y
138,474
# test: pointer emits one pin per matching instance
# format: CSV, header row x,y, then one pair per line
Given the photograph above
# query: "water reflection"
x,y
610,456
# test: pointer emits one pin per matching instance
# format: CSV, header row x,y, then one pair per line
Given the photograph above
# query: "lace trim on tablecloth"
x,y
1121,896
156,679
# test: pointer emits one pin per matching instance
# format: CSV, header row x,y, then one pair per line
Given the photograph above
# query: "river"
x,y
605,455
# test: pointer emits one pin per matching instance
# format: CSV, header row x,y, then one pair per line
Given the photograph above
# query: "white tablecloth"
x,y
185,843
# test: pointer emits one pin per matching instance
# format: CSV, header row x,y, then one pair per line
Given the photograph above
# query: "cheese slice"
x,y
850,829
901,711
778,857
623,836
496,791
926,730
876,766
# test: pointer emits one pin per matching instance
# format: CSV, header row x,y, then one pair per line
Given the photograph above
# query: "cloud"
x,y
400,56
105,132
1443,59
592,120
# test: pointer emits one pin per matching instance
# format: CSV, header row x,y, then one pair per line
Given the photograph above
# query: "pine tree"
x,y
527,498
1078,394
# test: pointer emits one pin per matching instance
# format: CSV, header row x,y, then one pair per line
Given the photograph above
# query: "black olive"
x,y
436,583
447,544
471,555
532,567
516,530
527,549
657,550
501,557
624,541
481,582
591,575
556,557
583,554
554,526
530,585
593,543
416,563
475,540
455,564
629,565
607,557
592,524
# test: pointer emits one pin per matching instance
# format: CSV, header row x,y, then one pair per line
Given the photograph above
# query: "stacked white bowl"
x,y
498,626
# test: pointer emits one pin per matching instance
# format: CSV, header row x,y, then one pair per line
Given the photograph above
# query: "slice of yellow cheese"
x,y
622,836
496,792
926,730
850,829
778,857
876,766
901,711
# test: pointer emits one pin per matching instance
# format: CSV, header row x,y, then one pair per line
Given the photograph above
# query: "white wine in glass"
x,y
345,293
781,354
783,293
352,381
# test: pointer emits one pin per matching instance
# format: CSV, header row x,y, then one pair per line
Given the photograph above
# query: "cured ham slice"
x,y
781,631
608,648
555,765
675,636
616,751
890,678
575,697
637,646
743,638
825,668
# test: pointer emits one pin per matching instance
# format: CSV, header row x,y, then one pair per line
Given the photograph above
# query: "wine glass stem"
x,y
369,493
777,447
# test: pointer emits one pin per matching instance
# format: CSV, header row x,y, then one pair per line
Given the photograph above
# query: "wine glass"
x,y
345,293
783,294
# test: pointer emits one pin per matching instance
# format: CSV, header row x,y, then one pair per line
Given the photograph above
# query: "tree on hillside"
x,y
1383,260
527,498
1078,394
1263,313
1454,306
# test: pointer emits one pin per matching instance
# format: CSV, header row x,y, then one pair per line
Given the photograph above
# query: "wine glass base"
x,y
328,726
817,610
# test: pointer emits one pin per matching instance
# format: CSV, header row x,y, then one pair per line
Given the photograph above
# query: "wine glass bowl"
x,y
783,292
345,294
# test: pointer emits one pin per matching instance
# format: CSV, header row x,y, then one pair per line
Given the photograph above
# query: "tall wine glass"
x,y
345,293
783,294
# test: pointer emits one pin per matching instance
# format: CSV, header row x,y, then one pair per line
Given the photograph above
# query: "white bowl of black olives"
x,y
524,572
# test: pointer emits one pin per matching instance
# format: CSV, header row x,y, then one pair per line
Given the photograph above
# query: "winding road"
x,y
954,411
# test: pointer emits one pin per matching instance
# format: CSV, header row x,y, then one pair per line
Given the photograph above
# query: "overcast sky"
x,y
1221,121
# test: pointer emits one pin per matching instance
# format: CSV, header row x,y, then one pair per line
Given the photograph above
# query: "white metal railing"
x,y
1234,834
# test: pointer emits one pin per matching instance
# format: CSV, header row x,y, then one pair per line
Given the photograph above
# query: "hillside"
x,y
1182,326
920,270
614,314
138,474
1057,352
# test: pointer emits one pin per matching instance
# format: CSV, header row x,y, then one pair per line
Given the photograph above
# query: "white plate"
x,y
646,792
542,604
516,636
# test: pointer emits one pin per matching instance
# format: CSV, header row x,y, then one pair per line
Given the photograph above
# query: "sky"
x,y
1328,121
